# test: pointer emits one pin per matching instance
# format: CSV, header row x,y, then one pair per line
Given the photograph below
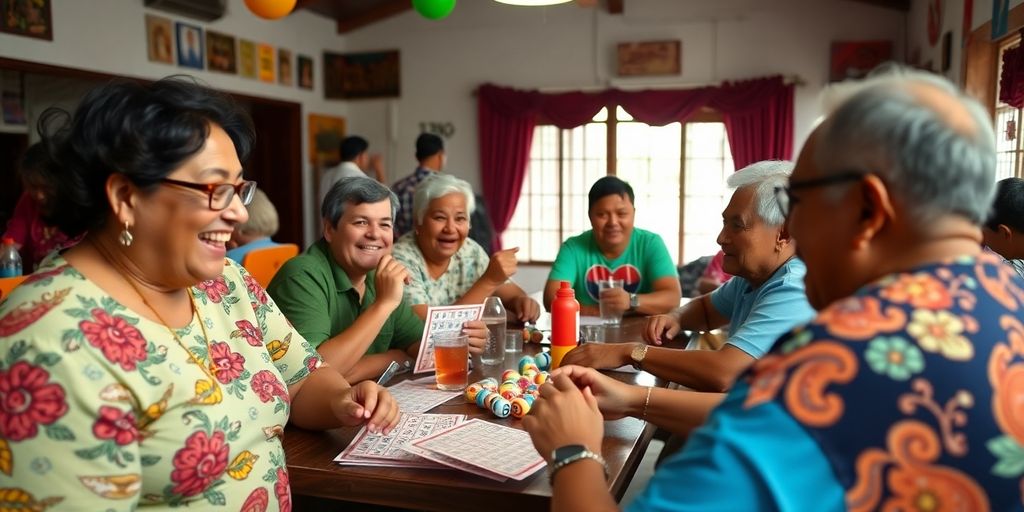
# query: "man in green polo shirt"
x,y
344,294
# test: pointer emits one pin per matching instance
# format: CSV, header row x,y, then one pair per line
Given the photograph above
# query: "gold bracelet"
x,y
647,401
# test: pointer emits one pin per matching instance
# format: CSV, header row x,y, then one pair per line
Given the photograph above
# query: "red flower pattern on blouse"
x,y
28,399
283,490
255,289
252,334
115,424
202,461
267,386
119,340
229,365
215,289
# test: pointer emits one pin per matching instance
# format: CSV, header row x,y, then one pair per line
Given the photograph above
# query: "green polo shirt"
x,y
318,298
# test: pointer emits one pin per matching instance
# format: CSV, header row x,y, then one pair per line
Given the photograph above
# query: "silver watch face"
x,y
564,452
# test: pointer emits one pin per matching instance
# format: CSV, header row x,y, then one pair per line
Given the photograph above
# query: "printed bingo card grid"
x,y
368,449
442,319
413,396
489,446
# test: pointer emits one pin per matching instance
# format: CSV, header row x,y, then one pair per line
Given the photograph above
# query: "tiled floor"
x,y
643,472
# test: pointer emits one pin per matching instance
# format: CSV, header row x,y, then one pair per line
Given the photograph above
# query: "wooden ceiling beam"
x,y
374,15
898,5
616,6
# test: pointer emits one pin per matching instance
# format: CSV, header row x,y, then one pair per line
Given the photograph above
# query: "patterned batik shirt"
x,y
465,268
405,188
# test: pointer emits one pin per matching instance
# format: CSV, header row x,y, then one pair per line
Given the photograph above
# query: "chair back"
x,y
9,283
264,263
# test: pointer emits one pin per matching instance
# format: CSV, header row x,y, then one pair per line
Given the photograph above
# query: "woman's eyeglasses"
x,y
220,194
784,195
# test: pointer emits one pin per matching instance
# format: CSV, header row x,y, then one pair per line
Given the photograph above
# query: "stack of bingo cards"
x,y
517,391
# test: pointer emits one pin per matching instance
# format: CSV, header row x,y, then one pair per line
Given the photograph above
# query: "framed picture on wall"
x,y
190,45
159,39
246,58
305,71
362,75
220,52
852,60
30,18
284,67
265,58
650,58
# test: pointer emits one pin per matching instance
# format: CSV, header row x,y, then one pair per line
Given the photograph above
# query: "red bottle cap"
x,y
10,241
565,290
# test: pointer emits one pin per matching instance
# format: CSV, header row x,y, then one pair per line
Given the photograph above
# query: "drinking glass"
x,y
451,360
608,315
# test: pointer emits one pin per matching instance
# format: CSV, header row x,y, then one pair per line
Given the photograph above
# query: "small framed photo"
x,y
246,58
190,45
305,72
220,52
159,39
265,56
285,72
649,58
29,18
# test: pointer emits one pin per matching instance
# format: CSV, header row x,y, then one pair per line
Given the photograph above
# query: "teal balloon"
x,y
433,9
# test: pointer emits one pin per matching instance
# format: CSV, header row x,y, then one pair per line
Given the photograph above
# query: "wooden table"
x,y
312,472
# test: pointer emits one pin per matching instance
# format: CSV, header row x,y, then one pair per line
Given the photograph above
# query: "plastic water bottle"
x,y
10,260
495,318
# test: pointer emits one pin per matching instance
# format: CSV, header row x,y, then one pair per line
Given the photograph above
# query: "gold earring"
x,y
126,237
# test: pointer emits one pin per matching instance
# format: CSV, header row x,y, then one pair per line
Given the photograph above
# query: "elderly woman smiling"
x,y
446,267
140,368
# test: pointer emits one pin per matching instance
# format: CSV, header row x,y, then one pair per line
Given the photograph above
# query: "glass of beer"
x,y
451,360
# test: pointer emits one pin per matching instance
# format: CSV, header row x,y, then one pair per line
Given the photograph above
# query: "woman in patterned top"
x,y
446,267
140,368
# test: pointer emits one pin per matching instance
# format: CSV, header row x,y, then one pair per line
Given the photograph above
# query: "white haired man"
x,y
765,299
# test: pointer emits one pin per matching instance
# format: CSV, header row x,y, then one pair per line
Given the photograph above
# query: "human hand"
x,y
390,281
367,403
615,300
503,264
477,332
523,309
660,328
563,415
615,399
600,355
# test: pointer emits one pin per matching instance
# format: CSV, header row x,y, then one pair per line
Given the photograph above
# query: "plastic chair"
x,y
9,283
264,263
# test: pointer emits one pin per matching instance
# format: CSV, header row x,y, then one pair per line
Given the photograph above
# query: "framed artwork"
x,y
650,58
246,58
362,75
12,97
220,52
854,59
305,71
325,134
265,57
285,74
159,39
190,45
30,18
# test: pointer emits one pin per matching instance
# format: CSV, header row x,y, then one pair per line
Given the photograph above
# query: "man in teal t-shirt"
x,y
615,249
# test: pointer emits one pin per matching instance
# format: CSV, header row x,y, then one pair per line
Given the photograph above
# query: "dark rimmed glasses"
x,y
784,195
220,194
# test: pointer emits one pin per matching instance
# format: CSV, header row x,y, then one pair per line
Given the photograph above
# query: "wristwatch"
x,y
634,302
638,354
565,455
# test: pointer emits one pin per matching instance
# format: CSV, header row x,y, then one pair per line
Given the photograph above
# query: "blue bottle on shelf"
x,y
10,260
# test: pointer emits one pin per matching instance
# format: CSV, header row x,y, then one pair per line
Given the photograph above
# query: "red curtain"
x,y
758,118
1011,81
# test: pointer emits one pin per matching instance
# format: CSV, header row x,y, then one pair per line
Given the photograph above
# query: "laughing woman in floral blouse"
x,y
140,368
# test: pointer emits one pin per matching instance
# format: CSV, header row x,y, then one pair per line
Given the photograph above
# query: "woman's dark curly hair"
x,y
143,131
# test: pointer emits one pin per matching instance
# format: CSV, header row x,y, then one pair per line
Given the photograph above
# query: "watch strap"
x,y
557,465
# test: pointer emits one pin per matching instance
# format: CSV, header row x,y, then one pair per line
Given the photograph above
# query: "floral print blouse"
x,y
466,266
101,409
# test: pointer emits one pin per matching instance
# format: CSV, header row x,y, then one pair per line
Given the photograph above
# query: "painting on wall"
x,y
851,60
265,57
284,67
246,58
30,18
650,58
362,75
190,45
220,52
305,71
159,39
12,97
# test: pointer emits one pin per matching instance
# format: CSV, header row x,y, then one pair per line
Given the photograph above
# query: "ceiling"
x,y
354,14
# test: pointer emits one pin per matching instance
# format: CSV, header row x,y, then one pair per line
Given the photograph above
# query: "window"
x,y
683,208
1008,130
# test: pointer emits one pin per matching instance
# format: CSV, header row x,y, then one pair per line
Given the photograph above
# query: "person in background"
x,y
344,293
614,248
1004,229
431,158
254,233
903,393
355,160
151,372
35,236
713,275
765,300
448,268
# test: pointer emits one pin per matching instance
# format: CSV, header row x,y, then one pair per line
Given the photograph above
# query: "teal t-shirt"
x,y
318,298
580,262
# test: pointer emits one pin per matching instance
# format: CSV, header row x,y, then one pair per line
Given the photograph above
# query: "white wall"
x,y
570,47
109,36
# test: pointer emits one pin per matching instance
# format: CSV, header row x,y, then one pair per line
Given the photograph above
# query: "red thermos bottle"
x,y
565,323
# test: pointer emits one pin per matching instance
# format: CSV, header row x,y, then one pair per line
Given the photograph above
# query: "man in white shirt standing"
x,y
354,158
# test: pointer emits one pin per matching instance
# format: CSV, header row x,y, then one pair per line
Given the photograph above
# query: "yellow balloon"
x,y
270,9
